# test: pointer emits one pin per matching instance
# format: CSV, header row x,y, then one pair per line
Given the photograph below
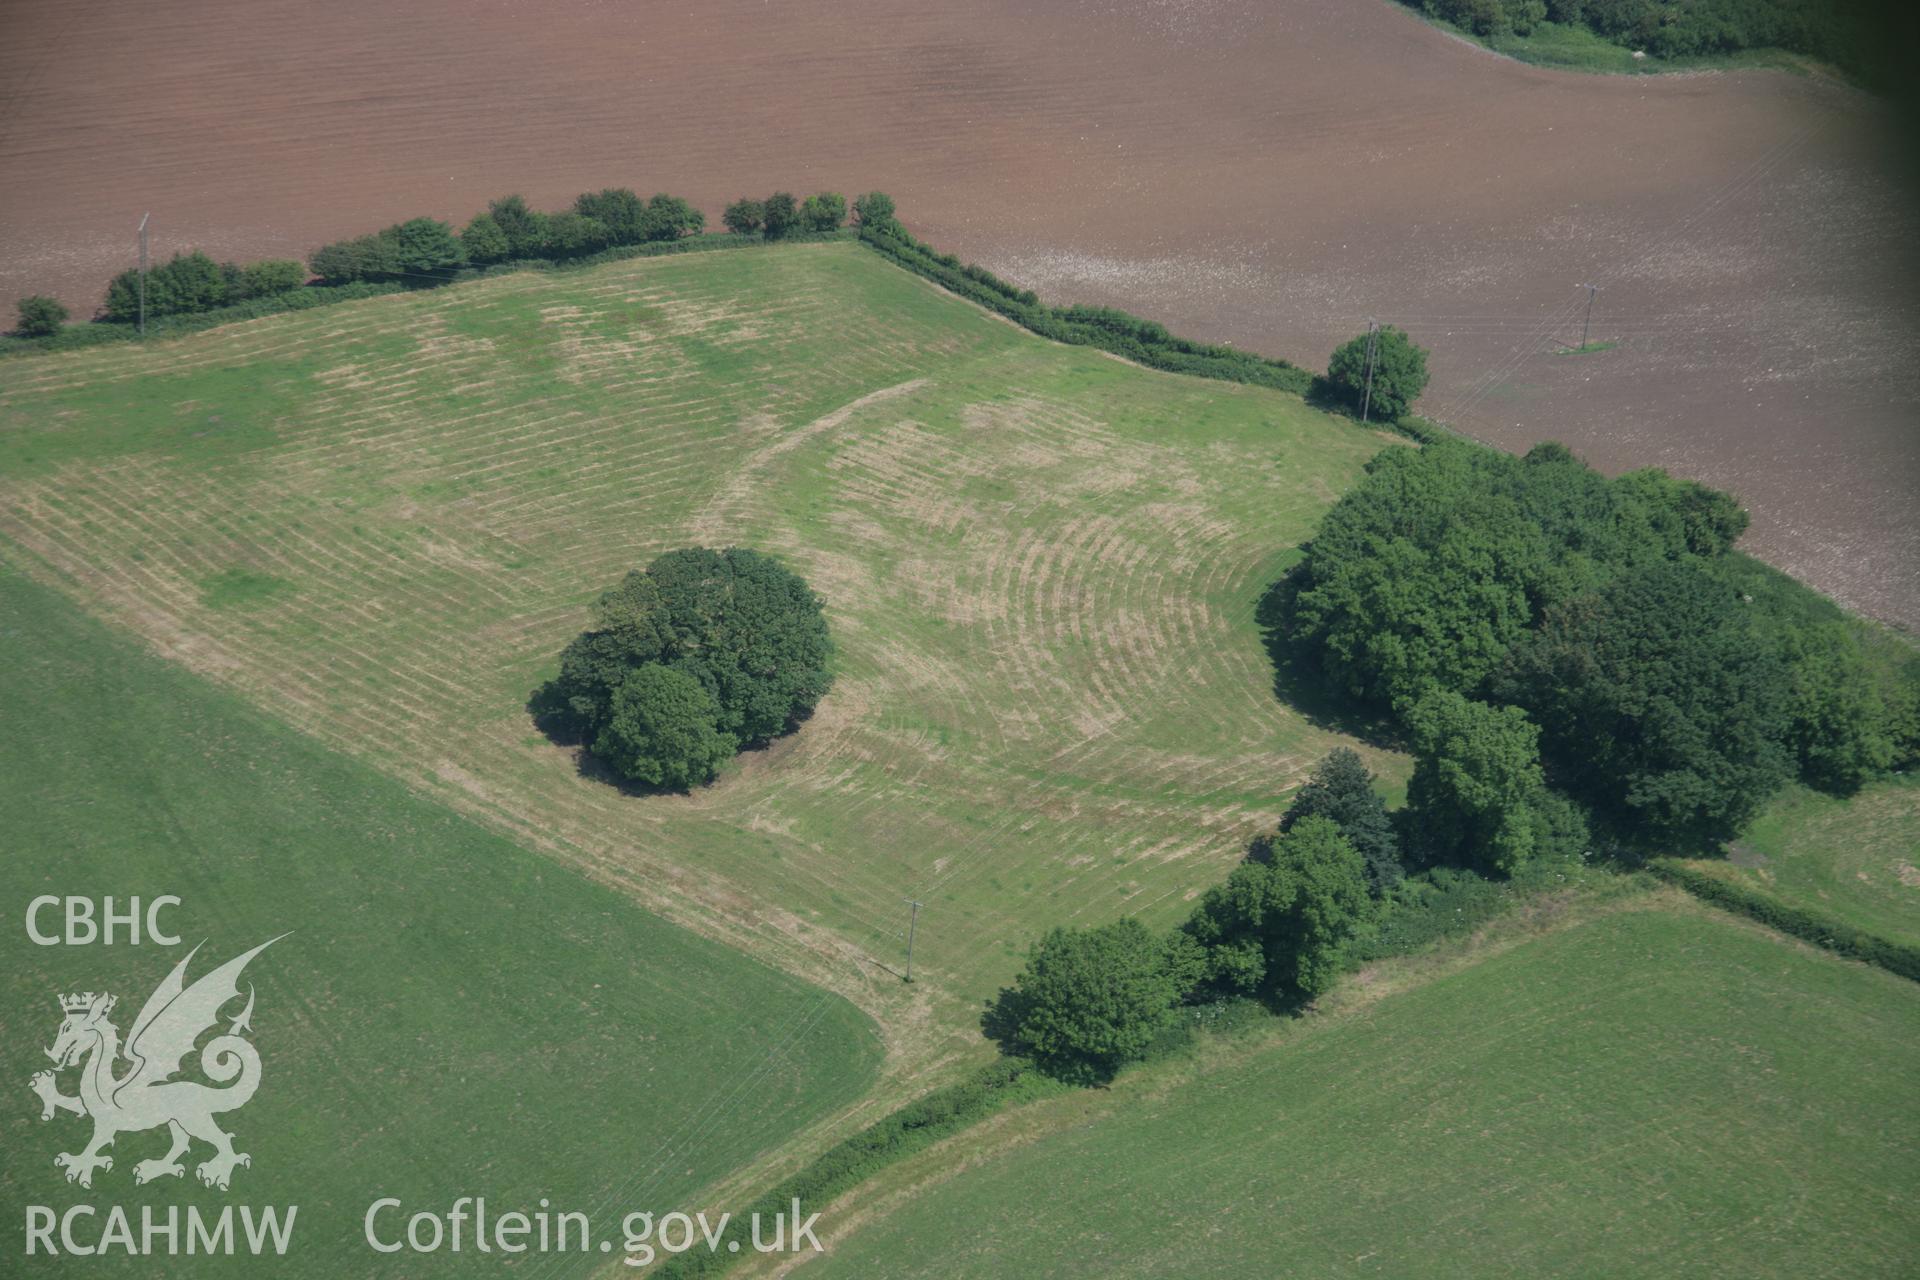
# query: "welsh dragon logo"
x,y
146,1095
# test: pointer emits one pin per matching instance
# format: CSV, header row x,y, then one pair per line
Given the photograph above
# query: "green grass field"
x,y
1856,860
451,1015
1650,1092
382,520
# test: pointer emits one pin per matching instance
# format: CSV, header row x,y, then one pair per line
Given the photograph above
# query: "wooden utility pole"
x,y
1586,329
143,273
1373,343
912,921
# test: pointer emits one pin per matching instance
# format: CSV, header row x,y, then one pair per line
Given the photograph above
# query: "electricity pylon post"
x,y
143,273
1373,342
912,921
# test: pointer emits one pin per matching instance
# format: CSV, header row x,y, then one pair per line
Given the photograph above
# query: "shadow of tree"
x,y
1297,679
552,718
1326,397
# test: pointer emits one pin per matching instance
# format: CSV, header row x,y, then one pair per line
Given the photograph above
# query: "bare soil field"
x,y
1269,174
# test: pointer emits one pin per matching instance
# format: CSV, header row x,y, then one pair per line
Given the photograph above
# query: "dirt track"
x,y
1269,174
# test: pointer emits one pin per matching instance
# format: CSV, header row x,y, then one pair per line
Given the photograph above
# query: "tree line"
x,y
1854,35
184,284
1279,929
780,215
426,251
423,252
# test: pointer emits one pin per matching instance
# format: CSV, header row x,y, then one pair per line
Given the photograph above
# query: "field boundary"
x,y
1812,927
100,333
913,1128
1144,342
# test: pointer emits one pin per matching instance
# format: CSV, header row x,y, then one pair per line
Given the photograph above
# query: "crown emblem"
x,y
81,1001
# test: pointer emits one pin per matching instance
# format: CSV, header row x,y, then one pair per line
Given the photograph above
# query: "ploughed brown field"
x,y
1269,173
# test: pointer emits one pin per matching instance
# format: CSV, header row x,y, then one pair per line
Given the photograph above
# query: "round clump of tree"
x,y
702,653
1390,362
40,316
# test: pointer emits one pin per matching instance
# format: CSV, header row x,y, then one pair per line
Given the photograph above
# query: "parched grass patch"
x,y
1648,1092
450,1015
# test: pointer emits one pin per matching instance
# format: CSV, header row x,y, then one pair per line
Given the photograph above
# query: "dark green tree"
x,y
1331,906
373,257
570,235
1477,791
525,228
123,297
1280,925
874,209
1422,575
744,628
1685,515
825,211
40,316
424,248
751,630
1429,569
1090,1000
1840,732
1341,790
1664,708
670,218
186,283
630,629
189,282
779,215
744,216
1238,922
484,241
660,730
1399,373
622,213
270,277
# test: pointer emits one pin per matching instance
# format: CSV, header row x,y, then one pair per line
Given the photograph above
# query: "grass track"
x,y
1040,565
1649,1092
452,1015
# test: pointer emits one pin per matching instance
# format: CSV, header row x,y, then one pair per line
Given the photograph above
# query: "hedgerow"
x,y
1808,926
105,332
1141,341
912,1128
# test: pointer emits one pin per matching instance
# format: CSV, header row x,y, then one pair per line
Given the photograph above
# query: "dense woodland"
x,y
1580,667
